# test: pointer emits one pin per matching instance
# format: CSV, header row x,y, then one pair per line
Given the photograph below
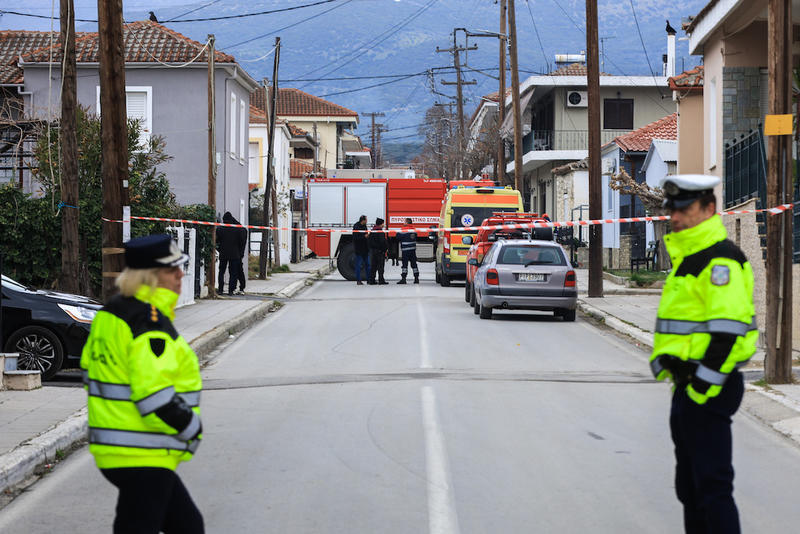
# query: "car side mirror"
x,y
467,239
473,261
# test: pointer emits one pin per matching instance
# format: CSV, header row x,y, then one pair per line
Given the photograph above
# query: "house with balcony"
x,y
732,38
555,123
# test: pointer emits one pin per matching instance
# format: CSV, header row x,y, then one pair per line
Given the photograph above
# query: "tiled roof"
x,y
691,80
258,99
295,131
298,167
257,116
639,140
145,42
296,103
15,43
574,69
693,21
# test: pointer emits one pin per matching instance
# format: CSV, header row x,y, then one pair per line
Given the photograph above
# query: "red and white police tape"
x,y
505,226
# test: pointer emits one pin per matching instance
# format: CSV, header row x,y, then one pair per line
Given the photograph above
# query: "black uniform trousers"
x,y
377,261
153,500
703,450
234,265
409,256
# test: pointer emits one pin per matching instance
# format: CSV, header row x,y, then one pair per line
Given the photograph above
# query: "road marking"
x,y
424,352
442,518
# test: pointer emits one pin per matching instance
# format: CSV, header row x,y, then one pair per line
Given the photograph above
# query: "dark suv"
x,y
46,328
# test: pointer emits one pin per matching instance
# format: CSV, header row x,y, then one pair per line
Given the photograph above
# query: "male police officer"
x,y
705,331
408,247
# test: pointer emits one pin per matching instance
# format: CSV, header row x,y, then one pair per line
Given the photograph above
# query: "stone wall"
x,y
743,230
741,101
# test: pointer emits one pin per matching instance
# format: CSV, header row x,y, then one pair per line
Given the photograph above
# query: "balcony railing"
x,y
538,140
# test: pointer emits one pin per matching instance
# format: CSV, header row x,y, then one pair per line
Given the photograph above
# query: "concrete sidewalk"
x,y
37,426
632,312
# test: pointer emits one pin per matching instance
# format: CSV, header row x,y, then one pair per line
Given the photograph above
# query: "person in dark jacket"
x,y
378,245
361,248
243,259
229,245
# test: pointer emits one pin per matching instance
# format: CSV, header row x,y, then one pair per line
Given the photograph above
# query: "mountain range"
x,y
369,38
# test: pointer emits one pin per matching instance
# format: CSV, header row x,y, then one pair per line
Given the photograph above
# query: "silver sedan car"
x,y
523,274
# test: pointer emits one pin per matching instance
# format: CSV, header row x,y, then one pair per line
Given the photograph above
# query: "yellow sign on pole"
x,y
778,125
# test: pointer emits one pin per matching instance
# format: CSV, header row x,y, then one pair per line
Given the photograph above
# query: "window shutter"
x,y
136,104
243,125
233,125
254,164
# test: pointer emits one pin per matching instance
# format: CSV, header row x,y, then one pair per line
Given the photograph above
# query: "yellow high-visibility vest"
x,y
134,363
708,295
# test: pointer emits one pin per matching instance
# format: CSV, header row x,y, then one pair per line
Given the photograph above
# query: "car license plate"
x,y
531,277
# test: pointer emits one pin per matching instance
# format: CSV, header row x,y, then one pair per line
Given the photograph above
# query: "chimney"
x,y
670,63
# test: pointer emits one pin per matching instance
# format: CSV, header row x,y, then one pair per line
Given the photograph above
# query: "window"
x,y
304,153
234,111
255,160
139,106
618,114
243,134
530,255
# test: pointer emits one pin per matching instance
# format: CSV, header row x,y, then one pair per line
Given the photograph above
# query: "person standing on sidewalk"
x,y
361,248
705,330
244,261
378,245
229,244
407,238
144,386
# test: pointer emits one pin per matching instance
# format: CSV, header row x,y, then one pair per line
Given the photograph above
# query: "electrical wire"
x,y
538,38
194,10
290,25
641,39
364,88
265,56
195,58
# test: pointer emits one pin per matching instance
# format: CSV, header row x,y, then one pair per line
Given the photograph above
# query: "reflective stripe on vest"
x,y
192,429
716,326
656,367
107,390
140,440
192,398
709,375
155,401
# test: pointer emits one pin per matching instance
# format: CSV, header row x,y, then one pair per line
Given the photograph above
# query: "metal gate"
x,y
186,239
745,170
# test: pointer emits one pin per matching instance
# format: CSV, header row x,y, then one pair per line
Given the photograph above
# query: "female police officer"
x,y
144,387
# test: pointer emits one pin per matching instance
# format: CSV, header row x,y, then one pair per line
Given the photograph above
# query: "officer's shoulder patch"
x,y
157,345
720,275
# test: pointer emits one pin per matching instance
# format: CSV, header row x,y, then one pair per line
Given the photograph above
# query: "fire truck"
x,y
335,204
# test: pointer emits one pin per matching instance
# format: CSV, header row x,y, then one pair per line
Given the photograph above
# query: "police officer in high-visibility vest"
x,y
408,249
144,388
705,331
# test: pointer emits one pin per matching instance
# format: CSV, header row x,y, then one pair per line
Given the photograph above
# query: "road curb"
x,y
21,462
640,336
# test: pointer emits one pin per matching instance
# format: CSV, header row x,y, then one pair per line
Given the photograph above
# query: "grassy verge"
x,y
641,278
253,271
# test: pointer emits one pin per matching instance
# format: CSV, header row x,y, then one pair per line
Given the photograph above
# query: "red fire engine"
x,y
338,203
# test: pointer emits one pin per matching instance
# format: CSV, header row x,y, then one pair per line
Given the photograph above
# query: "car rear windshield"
x,y
474,215
531,255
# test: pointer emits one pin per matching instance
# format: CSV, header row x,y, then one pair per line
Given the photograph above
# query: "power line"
x,y
641,39
290,25
372,43
194,10
364,88
535,29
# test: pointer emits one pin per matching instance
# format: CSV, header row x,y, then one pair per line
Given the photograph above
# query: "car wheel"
x,y
568,315
485,312
472,298
445,279
466,291
39,350
438,278
346,262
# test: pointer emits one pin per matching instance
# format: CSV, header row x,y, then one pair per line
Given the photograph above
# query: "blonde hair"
x,y
130,280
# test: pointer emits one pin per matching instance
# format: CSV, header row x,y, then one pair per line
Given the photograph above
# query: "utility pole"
x,y
372,132
265,258
68,137
501,108
512,36
459,83
316,150
380,130
114,135
595,181
778,363
212,165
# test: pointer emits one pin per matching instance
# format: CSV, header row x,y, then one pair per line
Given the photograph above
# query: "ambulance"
x,y
467,207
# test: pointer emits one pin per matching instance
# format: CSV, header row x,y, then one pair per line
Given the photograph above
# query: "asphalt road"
x,y
395,409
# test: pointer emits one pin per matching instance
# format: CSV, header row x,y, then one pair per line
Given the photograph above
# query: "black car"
x,y
48,329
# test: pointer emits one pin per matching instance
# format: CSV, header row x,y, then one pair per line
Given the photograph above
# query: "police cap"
x,y
680,190
152,251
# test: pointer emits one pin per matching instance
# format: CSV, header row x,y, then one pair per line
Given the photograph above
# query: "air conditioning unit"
x,y
609,166
577,99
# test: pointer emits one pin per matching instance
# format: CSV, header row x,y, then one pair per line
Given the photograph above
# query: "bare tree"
x,y
653,200
440,148
484,148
